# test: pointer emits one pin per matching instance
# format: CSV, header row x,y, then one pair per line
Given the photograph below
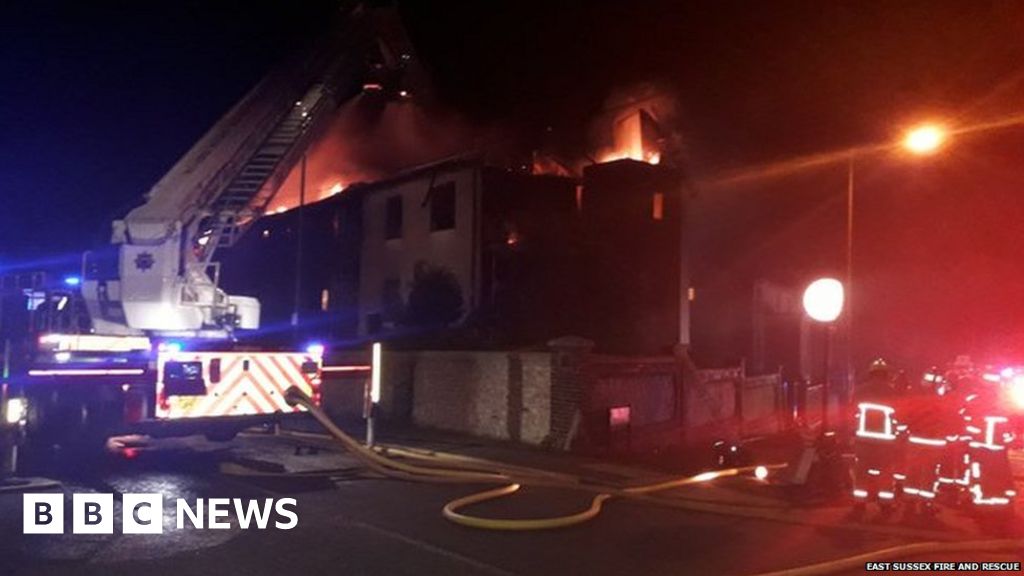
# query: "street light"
x,y
823,302
924,139
921,140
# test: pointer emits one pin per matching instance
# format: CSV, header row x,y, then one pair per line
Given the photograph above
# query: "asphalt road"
x,y
350,523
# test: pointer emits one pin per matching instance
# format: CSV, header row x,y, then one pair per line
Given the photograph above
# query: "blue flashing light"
x,y
315,349
171,347
72,281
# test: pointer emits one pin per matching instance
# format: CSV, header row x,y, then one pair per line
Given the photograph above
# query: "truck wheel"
x,y
35,456
69,426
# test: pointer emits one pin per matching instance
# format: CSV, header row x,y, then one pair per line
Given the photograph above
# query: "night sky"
x,y
98,99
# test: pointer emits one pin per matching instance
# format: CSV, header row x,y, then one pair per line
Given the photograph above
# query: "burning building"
x,y
485,251
520,259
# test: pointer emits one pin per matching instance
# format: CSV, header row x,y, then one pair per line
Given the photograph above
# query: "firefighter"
x,y
929,419
986,428
952,476
875,439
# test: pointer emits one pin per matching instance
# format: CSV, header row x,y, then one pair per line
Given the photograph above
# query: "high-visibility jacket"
x,y
989,475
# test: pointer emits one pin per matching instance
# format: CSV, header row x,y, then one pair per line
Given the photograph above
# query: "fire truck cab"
x,y
75,389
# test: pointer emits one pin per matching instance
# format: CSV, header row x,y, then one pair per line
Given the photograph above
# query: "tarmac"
x,y
351,522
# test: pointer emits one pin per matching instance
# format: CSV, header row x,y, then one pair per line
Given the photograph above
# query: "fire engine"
x,y
145,339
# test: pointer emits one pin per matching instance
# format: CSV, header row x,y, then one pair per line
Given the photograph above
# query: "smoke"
x,y
370,138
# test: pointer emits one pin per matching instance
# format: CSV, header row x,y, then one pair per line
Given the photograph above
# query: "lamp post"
x,y
921,140
823,302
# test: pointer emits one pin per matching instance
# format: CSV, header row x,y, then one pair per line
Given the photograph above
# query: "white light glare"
x,y
16,410
823,299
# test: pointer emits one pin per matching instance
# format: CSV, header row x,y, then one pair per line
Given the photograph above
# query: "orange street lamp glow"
x,y
924,139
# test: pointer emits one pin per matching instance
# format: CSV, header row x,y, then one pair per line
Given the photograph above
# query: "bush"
x,y
435,298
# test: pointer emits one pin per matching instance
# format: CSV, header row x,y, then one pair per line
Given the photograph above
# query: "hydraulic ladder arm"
x,y
160,276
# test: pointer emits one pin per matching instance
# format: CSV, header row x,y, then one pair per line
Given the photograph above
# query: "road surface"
x,y
351,523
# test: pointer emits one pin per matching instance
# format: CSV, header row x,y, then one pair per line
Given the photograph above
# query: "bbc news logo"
x,y
144,513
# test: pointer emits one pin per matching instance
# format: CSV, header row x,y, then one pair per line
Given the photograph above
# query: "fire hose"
x,y
512,478
474,470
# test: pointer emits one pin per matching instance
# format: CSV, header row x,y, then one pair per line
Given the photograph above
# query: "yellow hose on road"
x,y
450,513
515,476
512,476
450,509
436,458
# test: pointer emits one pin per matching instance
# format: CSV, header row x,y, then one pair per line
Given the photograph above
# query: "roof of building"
x,y
449,164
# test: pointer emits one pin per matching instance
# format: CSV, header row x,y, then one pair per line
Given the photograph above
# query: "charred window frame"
x,y
393,218
442,207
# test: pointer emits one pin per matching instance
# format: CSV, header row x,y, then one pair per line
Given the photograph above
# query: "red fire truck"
x,y
144,339
76,388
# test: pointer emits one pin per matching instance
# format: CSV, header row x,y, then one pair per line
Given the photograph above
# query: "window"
x,y
442,206
184,379
658,206
393,218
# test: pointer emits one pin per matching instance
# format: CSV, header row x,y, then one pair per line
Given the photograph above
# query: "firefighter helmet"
x,y
878,366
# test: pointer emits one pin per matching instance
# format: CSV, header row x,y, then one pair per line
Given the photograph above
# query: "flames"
x,y
633,133
634,136
369,139
622,154
635,125
326,189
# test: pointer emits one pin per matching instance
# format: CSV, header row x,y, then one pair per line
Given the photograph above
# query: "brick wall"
x,y
564,398
568,361
502,395
632,405
711,401
762,405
